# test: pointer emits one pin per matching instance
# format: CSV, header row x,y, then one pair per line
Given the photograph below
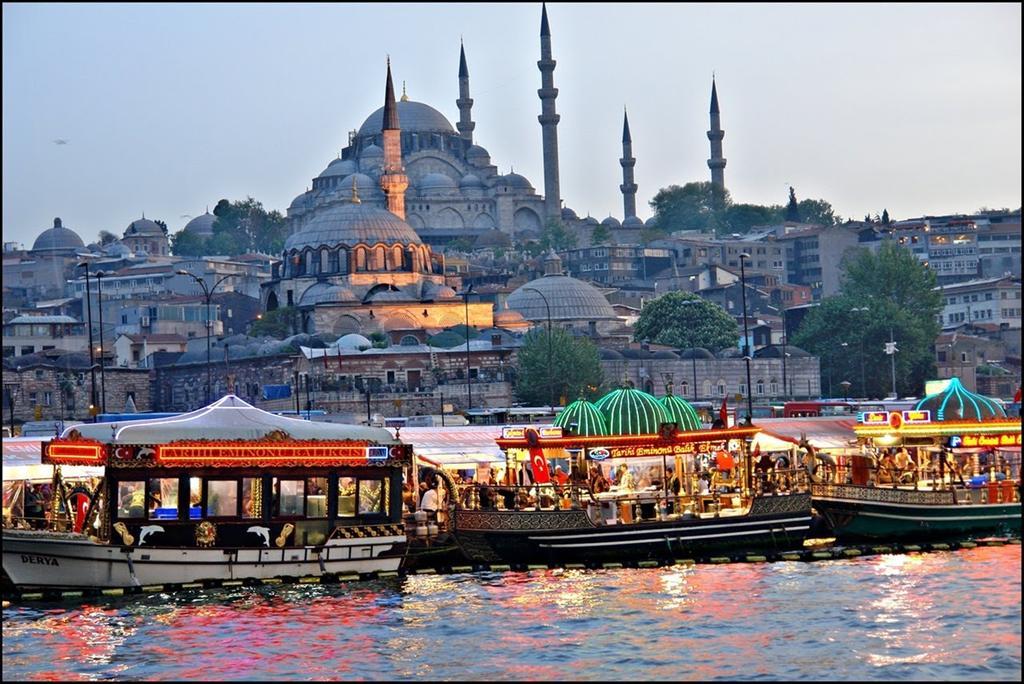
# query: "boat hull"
x,y
560,536
41,560
855,512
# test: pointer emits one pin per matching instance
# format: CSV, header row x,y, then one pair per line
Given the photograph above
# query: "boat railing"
x,y
967,480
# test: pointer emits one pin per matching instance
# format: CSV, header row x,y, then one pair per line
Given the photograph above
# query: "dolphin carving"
x,y
148,530
263,532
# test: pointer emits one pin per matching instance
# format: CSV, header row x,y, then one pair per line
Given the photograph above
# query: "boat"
x,y
227,492
949,468
659,454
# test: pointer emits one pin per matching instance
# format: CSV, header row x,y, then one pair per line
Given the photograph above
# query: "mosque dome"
x,y
326,293
413,117
568,214
957,403
514,180
586,418
370,154
611,222
651,223
506,318
353,342
696,353
435,182
57,239
632,222
339,167
569,299
201,225
629,411
143,227
681,413
471,180
365,186
300,202
590,221
434,292
478,156
385,294
349,223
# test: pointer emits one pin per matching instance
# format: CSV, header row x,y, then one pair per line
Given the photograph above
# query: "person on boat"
x,y
887,469
905,466
33,507
598,482
561,477
429,501
409,495
625,482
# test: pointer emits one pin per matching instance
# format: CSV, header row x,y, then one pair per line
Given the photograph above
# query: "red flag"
x,y
1016,397
723,415
539,466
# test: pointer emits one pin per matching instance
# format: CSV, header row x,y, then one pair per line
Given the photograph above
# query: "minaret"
x,y
393,180
465,102
715,135
628,187
549,120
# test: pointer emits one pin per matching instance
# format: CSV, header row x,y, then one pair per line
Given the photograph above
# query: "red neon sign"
x,y
270,453
74,453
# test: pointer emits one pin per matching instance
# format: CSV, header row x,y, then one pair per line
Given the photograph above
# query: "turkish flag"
x,y
723,415
1016,397
539,466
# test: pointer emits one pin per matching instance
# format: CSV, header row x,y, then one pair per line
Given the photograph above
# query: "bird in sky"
x,y
60,141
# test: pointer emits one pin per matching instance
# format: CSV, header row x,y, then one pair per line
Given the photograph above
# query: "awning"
x,y
454,447
827,433
22,451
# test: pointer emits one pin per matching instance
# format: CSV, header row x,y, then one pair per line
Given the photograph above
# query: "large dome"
x,y
587,419
350,224
143,227
629,411
413,117
201,225
956,403
680,411
569,299
339,167
58,239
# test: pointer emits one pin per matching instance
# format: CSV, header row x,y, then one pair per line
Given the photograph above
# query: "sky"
x,y
167,108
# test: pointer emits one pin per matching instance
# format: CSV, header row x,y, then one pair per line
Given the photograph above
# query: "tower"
x,y
465,102
393,180
549,120
715,135
628,187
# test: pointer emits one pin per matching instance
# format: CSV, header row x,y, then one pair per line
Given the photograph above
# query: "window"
x,y
221,498
316,497
131,499
370,496
47,398
163,498
760,387
346,497
252,497
289,497
721,389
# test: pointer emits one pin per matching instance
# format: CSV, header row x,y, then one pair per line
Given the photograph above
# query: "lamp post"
x,y
103,362
890,349
207,294
469,383
92,358
551,387
746,335
863,385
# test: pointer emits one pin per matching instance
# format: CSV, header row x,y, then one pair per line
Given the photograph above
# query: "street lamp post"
x,y
103,358
208,295
890,349
92,358
551,387
746,335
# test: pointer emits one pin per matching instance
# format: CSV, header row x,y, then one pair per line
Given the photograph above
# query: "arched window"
x,y
760,386
408,341
684,389
360,258
378,259
721,388
332,261
311,262
343,260
396,258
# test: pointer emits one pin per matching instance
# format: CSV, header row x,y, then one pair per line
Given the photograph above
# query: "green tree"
x,y
885,217
893,274
106,238
556,236
793,207
818,212
681,319
187,243
245,226
460,244
575,365
600,235
279,323
740,218
690,207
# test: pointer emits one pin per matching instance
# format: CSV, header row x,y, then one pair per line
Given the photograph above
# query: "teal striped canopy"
x,y
680,411
585,415
957,403
630,411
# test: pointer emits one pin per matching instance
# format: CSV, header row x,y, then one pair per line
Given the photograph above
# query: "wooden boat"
x,y
226,492
958,474
670,517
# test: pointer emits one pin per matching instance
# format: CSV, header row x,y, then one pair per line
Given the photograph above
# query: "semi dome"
x,y
201,225
365,185
432,182
143,227
681,413
57,239
413,117
581,418
629,411
339,167
353,342
569,299
326,293
471,180
957,403
351,224
371,152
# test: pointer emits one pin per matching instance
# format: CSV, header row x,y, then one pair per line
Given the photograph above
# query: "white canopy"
x,y
228,418
455,447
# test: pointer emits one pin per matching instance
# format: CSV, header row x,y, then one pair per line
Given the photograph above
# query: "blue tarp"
x,y
277,391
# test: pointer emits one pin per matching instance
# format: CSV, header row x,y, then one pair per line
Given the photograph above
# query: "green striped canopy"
x,y
956,403
629,411
585,415
681,413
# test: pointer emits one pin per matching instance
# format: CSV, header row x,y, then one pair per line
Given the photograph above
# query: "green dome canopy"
x,y
956,403
585,415
680,411
629,411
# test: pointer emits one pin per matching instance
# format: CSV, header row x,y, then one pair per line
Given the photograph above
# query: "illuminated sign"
x,y
550,432
954,441
990,440
599,454
895,420
659,449
513,432
874,418
74,453
376,453
230,453
916,417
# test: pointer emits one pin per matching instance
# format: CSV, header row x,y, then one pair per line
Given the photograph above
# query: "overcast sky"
x,y
167,108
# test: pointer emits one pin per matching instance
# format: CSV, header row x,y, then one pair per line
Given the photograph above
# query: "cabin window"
x,y
288,501
163,498
252,497
316,497
346,497
131,497
221,498
371,496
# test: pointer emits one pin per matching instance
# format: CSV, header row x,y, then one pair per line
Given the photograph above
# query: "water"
x,y
938,616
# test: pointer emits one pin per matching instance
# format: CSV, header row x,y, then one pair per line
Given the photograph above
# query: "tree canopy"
x,y
575,367
279,323
600,235
556,236
245,226
683,320
187,243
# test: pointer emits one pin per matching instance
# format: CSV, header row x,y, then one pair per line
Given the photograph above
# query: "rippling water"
x,y
938,616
